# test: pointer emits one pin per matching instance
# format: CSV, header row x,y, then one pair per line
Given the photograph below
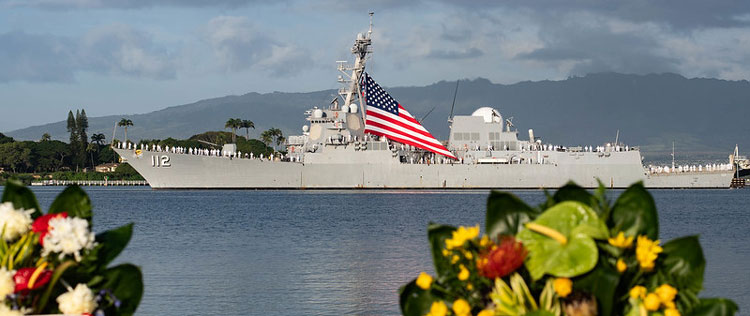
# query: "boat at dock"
x,y
353,143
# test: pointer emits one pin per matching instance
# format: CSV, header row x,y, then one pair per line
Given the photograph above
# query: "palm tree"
x,y
266,137
91,149
234,124
272,135
247,125
97,138
46,137
125,123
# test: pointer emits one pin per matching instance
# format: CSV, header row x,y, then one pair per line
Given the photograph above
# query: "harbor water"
x,y
220,252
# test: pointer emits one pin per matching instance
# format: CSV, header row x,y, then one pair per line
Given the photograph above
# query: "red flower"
x,y
502,259
23,276
41,225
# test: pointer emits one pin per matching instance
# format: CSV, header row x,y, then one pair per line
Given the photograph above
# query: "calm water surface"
x,y
347,252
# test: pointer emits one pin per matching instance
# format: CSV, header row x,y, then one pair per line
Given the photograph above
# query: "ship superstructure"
x,y
334,152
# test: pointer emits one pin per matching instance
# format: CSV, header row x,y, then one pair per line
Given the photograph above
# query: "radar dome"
x,y
353,108
305,128
317,113
488,114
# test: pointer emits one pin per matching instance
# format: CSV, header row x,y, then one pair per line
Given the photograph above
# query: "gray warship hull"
x,y
185,171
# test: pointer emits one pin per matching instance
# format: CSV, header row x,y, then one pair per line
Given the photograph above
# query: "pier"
x,y
90,182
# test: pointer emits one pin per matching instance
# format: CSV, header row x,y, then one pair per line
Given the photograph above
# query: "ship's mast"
x,y
360,50
672,155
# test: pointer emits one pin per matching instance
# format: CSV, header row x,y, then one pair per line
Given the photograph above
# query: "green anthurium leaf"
x,y
506,214
113,242
74,201
602,282
683,263
714,307
437,234
634,213
21,197
579,225
415,301
126,283
573,192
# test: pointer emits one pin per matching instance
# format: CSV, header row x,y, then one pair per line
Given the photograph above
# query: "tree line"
x,y
83,151
47,155
272,136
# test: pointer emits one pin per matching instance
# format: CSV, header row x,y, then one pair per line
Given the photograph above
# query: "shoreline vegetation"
x,y
82,159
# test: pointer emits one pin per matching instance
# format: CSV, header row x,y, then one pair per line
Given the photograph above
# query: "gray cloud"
x,y
455,54
121,50
131,4
113,49
681,14
597,48
238,45
34,57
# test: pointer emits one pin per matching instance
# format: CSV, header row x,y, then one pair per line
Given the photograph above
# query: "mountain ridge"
x,y
651,110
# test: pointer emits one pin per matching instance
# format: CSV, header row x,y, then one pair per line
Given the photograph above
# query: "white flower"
x,y
16,222
68,236
78,301
7,285
6,311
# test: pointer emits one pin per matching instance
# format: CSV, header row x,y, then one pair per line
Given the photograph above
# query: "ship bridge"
x,y
483,130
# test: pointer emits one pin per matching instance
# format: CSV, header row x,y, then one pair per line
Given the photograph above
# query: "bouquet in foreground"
x,y
54,264
576,254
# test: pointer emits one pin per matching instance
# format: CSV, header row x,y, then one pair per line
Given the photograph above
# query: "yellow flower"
x,y
446,253
455,259
485,241
620,241
671,312
438,308
651,302
463,274
424,281
638,292
468,255
666,293
621,266
460,236
461,307
469,287
669,304
646,252
563,286
486,312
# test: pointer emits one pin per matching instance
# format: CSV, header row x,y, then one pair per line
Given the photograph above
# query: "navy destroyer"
x,y
340,148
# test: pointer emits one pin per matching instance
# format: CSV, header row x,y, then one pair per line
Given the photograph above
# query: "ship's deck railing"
x,y
53,182
218,153
689,168
547,147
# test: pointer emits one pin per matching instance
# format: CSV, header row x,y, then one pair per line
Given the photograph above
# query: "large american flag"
x,y
385,117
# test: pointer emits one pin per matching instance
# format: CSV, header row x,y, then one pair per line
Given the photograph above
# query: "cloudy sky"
x,y
135,56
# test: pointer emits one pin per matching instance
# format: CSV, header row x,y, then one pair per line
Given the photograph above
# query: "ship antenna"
x,y
426,115
450,118
617,137
672,155
369,32
114,131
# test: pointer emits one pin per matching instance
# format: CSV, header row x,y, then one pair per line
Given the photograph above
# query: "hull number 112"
x,y
160,161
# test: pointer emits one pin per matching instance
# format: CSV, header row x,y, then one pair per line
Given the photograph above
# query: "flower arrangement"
x,y
54,264
576,254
